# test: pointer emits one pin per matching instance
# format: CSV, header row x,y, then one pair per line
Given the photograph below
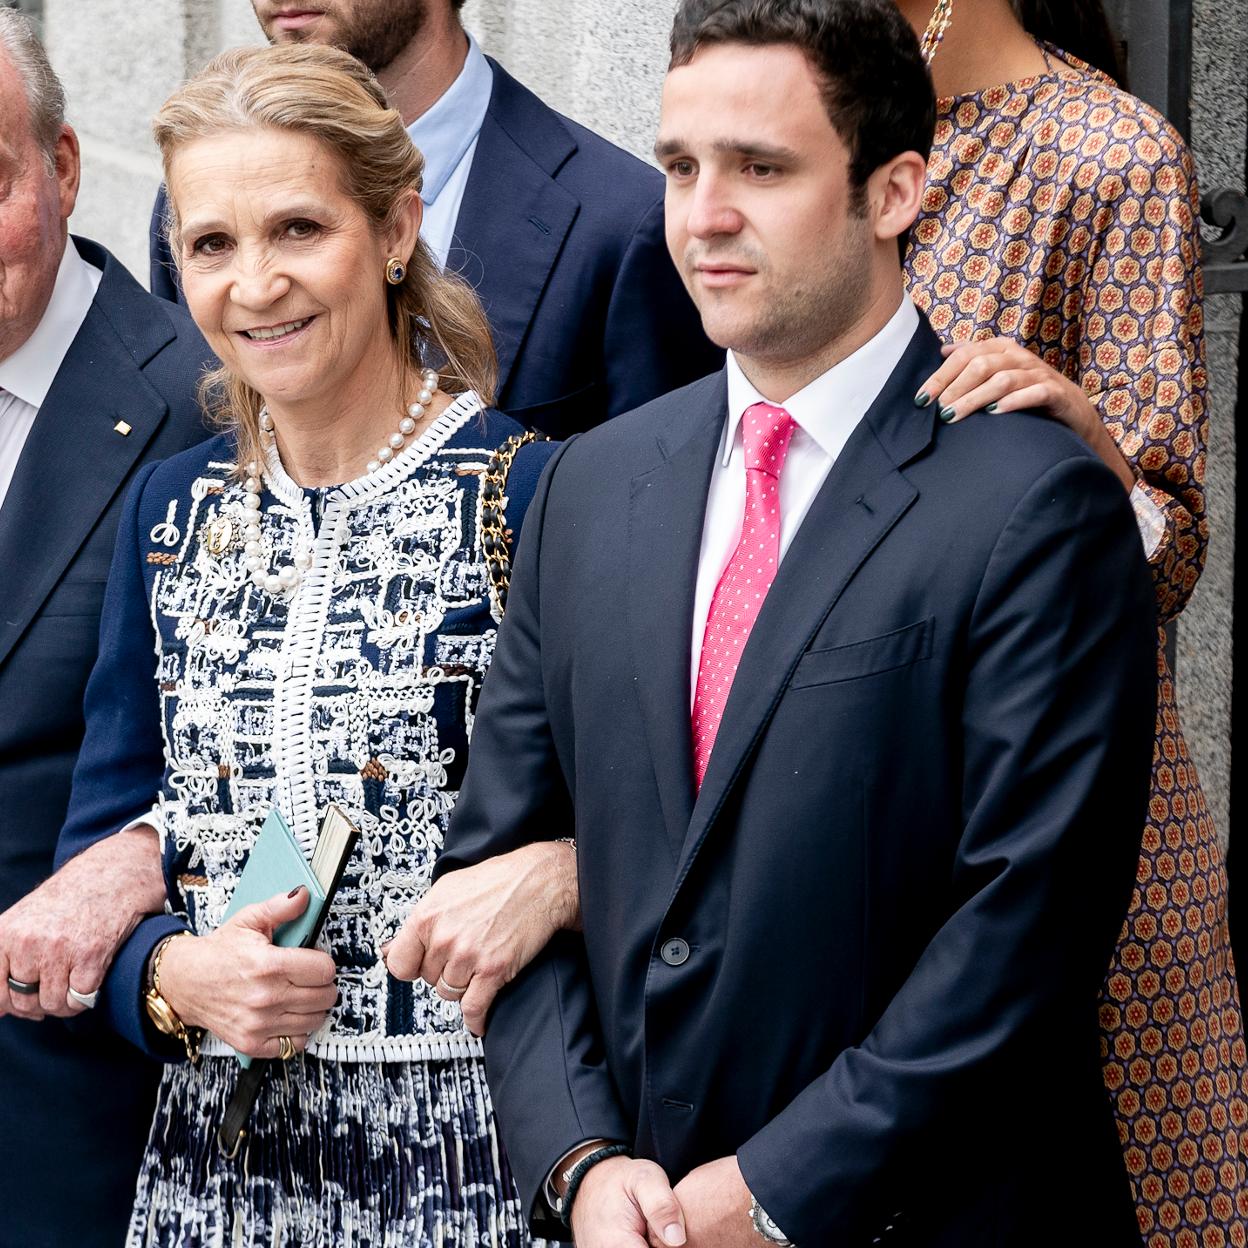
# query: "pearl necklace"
x,y
285,579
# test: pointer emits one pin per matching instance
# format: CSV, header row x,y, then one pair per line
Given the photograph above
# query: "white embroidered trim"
x,y
386,1049
292,744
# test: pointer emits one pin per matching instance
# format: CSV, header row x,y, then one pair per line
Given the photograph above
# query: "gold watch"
x,y
164,1017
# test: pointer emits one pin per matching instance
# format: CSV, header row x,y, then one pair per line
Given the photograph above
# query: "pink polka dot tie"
x,y
738,597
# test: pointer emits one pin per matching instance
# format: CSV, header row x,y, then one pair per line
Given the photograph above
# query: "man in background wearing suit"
x,y
849,710
559,231
97,377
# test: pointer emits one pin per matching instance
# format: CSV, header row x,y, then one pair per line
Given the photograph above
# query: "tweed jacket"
x,y
221,700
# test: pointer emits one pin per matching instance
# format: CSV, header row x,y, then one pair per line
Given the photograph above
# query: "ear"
x,y
68,166
400,240
895,194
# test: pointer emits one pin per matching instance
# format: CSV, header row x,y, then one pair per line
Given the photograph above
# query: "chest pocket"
x,y
856,659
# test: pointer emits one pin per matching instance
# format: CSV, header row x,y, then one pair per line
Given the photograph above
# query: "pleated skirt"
x,y
338,1155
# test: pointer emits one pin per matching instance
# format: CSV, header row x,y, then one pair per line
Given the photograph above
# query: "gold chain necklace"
x,y
937,25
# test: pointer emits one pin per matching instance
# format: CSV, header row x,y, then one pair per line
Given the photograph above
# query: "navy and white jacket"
x,y
214,701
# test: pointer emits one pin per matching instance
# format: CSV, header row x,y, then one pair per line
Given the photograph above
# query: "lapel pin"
x,y
122,428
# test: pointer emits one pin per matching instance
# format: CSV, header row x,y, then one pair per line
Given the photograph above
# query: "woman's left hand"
x,y
475,930
1000,375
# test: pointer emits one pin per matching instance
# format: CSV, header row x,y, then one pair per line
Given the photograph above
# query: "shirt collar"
x,y
444,132
29,372
829,408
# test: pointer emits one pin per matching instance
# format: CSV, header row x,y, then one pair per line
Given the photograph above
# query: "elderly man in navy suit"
x,y
97,377
848,709
559,231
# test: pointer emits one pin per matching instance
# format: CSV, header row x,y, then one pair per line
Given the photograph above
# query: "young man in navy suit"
x,y
97,378
559,231
849,710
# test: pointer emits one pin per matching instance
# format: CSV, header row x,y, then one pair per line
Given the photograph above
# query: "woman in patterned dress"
x,y
277,638
1057,252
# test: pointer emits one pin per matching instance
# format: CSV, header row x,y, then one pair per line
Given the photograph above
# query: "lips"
x,y
276,333
296,19
722,275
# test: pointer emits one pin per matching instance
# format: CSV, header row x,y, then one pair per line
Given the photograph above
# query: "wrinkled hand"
x,y
625,1203
66,933
1000,375
716,1202
478,928
237,984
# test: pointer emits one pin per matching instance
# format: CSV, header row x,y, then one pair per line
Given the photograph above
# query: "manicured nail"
x,y
294,892
922,399
947,414
673,1235
992,407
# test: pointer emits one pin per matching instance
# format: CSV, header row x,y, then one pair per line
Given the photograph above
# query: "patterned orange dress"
x,y
1062,212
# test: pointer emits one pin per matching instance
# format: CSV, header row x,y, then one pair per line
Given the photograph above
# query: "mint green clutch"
x,y
276,865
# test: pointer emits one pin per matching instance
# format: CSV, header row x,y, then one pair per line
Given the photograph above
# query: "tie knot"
x,y
766,431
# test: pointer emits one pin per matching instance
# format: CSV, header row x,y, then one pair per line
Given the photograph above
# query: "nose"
x,y
710,211
258,282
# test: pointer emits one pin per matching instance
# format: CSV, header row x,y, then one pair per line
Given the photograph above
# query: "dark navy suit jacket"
x,y
865,956
561,234
74,1109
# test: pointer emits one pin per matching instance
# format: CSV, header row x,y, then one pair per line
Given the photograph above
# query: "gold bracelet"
x,y
163,1015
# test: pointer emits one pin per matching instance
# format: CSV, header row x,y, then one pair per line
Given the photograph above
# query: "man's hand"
x,y
475,930
66,932
716,1202
624,1203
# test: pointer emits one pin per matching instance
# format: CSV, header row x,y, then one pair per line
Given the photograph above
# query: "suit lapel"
x,y
864,495
74,460
667,506
514,216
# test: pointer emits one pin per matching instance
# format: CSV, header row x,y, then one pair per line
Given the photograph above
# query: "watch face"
x,y
161,1014
765,1226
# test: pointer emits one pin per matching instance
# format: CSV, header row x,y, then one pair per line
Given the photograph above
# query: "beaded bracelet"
x,y
576,1176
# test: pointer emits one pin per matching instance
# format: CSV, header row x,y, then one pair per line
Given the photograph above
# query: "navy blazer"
x,y
865,957
74,1110
561,234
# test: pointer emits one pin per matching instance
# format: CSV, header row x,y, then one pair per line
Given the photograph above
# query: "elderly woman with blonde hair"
x,y
300,613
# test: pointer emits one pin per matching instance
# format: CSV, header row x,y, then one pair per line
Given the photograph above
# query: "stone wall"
x,y
602,63
1219,129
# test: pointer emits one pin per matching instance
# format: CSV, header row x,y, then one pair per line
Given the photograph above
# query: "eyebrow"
x,y
286,212
765,153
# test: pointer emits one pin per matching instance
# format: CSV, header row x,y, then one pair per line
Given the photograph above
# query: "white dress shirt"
x,y
826,412
26,376
447,138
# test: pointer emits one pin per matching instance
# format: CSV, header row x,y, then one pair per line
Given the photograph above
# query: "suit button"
x,y
675,952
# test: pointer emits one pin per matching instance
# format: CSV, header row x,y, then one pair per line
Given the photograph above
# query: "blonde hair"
x,y
325,93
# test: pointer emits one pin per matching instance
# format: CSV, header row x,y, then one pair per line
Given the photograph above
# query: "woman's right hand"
x,y
237,984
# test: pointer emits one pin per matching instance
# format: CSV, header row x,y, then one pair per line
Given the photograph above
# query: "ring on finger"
x,y
22,988
285,1048
448,991
85,999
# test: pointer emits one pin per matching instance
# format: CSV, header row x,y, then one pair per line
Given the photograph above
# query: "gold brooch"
x,y
218,534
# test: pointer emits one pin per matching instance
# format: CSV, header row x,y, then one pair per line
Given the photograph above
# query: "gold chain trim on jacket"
x,y
494,537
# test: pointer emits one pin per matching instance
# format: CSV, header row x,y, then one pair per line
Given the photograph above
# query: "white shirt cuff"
x,y
153,819
1149,518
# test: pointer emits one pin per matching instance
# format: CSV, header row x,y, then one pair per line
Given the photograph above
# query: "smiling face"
x,y
775,246
35,204
373,31
282,270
